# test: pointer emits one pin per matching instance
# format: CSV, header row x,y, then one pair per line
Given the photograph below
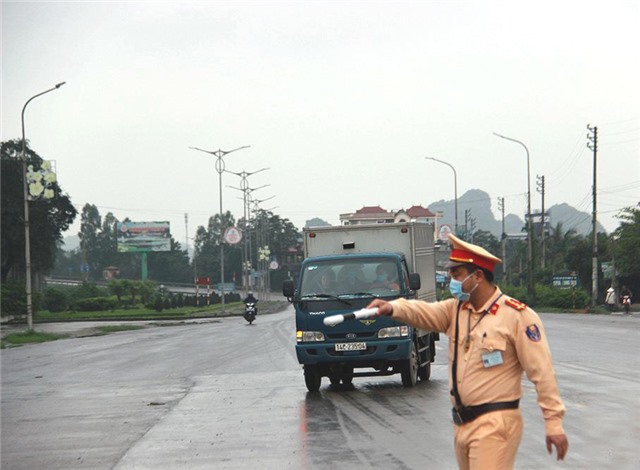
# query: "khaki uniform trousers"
x,y
489,442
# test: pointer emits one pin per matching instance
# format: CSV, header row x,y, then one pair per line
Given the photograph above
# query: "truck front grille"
x,y
358,336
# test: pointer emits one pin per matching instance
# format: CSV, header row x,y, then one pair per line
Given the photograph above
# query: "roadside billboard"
x,y
135,237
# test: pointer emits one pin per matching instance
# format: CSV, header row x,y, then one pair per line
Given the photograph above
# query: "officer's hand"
x,y
384,307
561,443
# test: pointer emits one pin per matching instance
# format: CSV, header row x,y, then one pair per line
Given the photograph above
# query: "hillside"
x,y
480,205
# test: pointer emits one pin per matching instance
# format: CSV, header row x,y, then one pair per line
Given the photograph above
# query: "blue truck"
x,y
344,268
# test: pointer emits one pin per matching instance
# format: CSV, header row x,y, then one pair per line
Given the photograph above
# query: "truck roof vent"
x,y
349,246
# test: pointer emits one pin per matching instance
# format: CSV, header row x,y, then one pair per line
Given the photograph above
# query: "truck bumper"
x,y
377,352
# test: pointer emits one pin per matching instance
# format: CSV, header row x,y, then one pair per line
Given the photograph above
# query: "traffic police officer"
x,y
493,339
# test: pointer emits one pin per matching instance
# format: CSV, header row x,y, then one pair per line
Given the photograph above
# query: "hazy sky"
x,y
341,100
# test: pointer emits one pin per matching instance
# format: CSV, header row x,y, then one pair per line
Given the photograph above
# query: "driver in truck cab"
x,y
385,278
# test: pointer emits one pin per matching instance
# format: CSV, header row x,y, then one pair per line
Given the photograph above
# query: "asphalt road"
x,y
222,394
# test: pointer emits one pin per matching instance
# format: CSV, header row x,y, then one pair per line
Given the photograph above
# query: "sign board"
x,y
444,231
229,287
133,237
203,281
607,269
273,265
232,235
565,282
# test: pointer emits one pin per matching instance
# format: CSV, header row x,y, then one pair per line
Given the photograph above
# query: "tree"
x,y
48,218
171,266
118,288
90,224
268,229
627,246
207,249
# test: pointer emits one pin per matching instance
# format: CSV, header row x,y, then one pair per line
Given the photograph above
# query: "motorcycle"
x,y
626,303
250,312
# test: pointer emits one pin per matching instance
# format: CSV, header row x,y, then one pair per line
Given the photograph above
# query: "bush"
x,y
56,300
88,290
14,298
95,304
561,298
158,304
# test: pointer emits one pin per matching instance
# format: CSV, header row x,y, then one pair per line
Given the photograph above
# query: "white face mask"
x,y
455,287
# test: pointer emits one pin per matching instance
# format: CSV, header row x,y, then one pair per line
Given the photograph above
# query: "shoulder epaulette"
x,y
513,303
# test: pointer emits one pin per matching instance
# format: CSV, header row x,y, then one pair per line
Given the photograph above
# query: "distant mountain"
x,y
316,222
479,203
572,218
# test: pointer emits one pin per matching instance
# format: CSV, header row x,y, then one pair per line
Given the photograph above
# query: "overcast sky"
x,y
341,100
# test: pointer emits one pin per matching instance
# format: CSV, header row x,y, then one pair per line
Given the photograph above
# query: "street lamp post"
x,y
27,236
220,154
244,187
530,288
455,188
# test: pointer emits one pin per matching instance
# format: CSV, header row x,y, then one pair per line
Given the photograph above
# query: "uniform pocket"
x,y
493,344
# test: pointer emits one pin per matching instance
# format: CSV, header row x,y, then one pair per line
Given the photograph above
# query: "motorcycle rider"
x,y
250,299
625,292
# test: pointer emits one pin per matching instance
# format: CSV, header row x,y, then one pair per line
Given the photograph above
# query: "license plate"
x,y
351,346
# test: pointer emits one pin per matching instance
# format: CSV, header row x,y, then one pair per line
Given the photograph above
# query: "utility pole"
x,y
186,233
593,145
473,228
467,216
540,188
503,239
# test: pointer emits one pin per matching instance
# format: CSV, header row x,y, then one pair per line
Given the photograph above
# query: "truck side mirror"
x,y
414,281
288,288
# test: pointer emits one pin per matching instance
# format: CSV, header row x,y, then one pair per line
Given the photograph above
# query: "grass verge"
x,y
141,313
18,339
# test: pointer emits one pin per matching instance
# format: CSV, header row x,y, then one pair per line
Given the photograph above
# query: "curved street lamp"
x,y
27,240
531,289
455,188
220,154
244,187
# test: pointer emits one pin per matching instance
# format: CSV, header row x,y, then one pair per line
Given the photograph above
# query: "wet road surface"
x,y
222,394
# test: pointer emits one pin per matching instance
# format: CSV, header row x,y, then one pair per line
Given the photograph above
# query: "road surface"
x,y
222,394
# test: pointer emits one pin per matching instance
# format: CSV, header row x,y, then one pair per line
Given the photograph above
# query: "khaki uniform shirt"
x,y
502,343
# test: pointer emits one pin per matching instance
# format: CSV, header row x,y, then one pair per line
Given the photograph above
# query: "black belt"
x,y
466,414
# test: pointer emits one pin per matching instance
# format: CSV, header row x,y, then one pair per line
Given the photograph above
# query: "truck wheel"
x,y
425,372
409,372
312,378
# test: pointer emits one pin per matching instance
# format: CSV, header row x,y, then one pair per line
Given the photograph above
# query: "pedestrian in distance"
x,y
610,298
493,339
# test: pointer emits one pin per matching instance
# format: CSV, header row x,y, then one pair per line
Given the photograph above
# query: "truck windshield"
x,y
378,277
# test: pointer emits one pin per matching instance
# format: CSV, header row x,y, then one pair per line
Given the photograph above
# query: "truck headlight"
x,y
309,336
393,332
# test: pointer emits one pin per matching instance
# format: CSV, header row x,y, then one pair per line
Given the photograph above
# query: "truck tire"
x,y
409,372
424,372
312,378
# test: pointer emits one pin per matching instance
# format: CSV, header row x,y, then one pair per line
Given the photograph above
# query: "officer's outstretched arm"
x,y
384,307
